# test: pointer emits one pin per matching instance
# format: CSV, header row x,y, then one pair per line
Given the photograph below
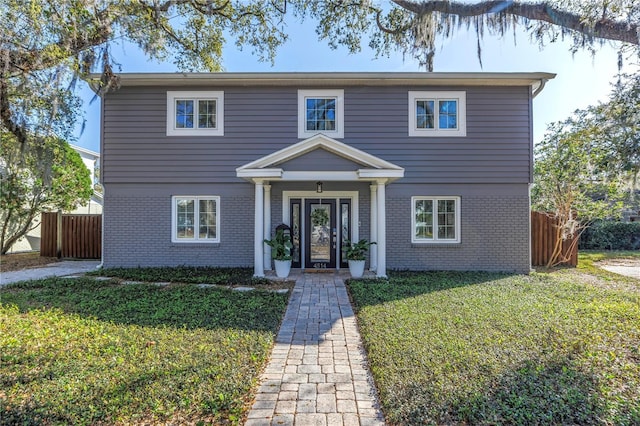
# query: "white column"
x,y
258,245
381,236
267,226
373,229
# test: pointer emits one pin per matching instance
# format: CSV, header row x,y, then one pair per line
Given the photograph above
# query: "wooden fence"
x,y
76,236
543,235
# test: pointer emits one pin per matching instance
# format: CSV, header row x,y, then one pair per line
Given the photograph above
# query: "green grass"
x,y
97,352
481,348
189,274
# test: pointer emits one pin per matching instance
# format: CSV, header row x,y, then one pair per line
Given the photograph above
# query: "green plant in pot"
x,y
356,254
281,246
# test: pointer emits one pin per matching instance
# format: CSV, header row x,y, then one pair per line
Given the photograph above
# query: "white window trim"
x,y
459,96
174,220
195,96
303,133
435,239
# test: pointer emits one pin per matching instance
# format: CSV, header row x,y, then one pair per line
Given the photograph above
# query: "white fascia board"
x,y
359,175
259,173
380,173
319,175
324,79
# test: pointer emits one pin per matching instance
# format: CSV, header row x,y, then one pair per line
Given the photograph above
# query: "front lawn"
x,y
190,274
481,348
83,351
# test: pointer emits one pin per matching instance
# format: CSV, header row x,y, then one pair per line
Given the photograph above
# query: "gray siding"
x,y
319,160
259,121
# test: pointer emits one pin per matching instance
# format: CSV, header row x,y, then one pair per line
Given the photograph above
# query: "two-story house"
x,y
198,169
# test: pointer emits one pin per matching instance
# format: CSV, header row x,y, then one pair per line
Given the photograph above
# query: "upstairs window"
x,y
435,219
195,113
437,114
320,111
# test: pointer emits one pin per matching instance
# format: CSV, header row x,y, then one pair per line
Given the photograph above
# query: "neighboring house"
x,y
91,159
198,169
31,241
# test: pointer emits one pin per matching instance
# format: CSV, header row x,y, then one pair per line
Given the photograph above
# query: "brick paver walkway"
x,y
318,373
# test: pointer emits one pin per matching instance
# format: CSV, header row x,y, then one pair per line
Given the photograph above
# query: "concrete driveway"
x,y
621,266
59,269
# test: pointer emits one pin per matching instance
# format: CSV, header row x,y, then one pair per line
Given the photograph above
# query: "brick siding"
x,y
494,231
494,237
137,232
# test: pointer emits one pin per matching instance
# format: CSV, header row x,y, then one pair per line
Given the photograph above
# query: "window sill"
x,y
416,133
194,132
436,244
192,244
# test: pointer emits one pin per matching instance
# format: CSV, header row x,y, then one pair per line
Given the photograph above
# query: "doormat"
x,y
320,271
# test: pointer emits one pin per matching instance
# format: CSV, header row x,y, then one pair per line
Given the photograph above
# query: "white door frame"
x,y
334,195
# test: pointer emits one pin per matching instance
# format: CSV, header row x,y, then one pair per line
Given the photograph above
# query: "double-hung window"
x,y
437,114
195,219
195,113
321,111
435,219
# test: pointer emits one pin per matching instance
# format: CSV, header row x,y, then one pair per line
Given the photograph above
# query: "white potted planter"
x,y
283,267
356,268
281,246
356,254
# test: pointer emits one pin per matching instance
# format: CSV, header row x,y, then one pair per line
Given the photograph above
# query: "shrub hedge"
x,y
610,235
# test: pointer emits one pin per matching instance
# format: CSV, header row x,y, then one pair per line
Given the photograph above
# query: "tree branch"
x,y
390,31
6,118
21,61
544,11
28,61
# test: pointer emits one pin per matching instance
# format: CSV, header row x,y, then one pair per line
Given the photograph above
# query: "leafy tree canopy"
x,y
609,135
30,183
616,124
587,166
569,186
568,174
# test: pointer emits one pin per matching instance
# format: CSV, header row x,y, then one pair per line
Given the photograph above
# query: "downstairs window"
x,y
196,219
435,219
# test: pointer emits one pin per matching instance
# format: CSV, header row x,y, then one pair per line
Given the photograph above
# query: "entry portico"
x,y
274,168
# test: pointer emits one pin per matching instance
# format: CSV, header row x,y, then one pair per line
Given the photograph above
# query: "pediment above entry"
x,y
365,167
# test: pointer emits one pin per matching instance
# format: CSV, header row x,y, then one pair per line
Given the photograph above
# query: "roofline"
x,y
84,150
335,78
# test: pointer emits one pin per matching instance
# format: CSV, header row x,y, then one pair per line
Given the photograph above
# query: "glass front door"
x,y
319,228
321,234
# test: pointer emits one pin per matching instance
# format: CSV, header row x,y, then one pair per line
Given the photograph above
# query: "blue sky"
x,y
582,80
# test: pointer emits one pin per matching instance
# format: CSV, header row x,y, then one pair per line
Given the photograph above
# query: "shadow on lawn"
x,y
534,393
185,306
407,284
101,402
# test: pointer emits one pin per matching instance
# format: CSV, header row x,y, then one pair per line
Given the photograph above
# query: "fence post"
x,y
543,239
59,234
